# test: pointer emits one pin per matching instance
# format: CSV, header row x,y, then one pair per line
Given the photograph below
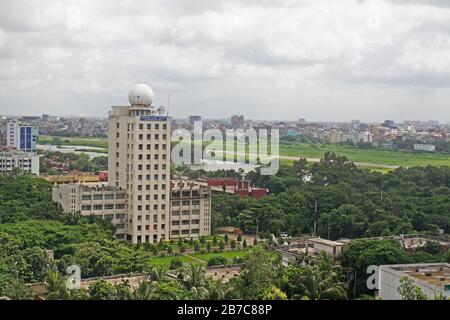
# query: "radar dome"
x,y
141,95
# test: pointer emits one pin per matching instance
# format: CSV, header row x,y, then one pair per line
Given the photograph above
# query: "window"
x,y
86,207
98,207
86,197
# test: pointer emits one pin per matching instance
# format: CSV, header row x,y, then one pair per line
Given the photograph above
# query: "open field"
x,y
369,156
374,159
75,141
195,258
230,255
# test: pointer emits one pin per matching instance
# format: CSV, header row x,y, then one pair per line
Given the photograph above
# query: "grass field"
x,y
372,156
375,156
75,141
187,259
230,255
165,261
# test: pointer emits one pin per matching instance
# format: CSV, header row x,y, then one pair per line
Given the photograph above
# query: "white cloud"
x,y
319,59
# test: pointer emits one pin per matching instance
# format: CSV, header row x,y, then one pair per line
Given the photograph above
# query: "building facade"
x,y
17,161
21,137
432,278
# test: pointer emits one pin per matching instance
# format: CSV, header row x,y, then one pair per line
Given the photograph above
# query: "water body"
x,y
214,165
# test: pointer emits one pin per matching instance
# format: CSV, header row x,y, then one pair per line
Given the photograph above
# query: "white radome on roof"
x,y
141,95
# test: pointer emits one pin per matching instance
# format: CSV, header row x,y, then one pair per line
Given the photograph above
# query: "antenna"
x,y
315,220
168,103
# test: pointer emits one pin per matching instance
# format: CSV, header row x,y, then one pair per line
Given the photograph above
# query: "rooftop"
x,y
325,242
436,274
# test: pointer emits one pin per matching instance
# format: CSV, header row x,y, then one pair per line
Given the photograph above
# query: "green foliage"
x,y
360,254
409,291
217,261
175,263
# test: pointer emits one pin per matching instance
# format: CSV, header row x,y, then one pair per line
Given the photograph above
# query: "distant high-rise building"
x,y
237,121
195,118
389,124
21,137
335,136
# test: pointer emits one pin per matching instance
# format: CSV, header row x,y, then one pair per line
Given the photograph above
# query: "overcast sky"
x,y
265,59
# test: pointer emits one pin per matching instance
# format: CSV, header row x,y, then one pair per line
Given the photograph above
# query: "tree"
x,y
217,261
233,244
102,290
56,287
225,238
244,244
175,263
274,294
409,291
261,270
15,289
208,247
239,238
360,254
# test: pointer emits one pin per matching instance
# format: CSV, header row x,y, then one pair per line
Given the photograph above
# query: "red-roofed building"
x,y
239,187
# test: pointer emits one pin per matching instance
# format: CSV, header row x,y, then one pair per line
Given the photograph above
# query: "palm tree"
x,y
157,274
56,287
322,280
143,292
192,276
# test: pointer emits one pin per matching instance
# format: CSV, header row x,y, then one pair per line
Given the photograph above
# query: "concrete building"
x,y
194,118
139,162
21,137
139,168
335,136
317,245
190,210
432,278
13,160
424,147
99,199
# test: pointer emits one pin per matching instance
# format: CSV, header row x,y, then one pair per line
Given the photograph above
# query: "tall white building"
x,y
139,162
140,199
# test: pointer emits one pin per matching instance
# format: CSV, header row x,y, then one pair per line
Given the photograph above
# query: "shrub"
x,y
217,261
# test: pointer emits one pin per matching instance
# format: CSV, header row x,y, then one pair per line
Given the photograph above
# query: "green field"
x,y
75,141
230,255
370,156
187,259
374,156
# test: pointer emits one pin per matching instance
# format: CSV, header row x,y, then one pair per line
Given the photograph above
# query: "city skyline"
x,y
369,60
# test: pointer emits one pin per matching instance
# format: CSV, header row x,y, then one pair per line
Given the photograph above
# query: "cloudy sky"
x,y
266,59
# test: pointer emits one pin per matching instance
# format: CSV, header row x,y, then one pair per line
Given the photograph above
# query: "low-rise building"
x,y
424,147
432,278
17,161
317,245
190,209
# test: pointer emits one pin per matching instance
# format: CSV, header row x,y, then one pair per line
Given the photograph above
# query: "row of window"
x,y
185,222
184,232
130,126
185,194
185,212
185,202
107,196
97,207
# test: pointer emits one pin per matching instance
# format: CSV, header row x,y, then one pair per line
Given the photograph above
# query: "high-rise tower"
x,y
139,162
